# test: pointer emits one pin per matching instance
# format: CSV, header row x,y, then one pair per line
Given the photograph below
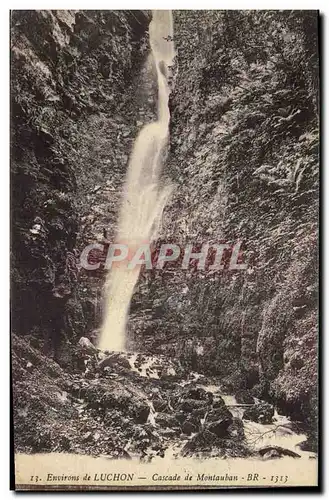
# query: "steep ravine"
x,y
134,406
244,159
244,156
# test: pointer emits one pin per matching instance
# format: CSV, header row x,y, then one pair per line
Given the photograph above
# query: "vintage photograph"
x,y
164,248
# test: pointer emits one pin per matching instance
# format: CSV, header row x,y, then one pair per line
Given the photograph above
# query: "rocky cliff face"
x,y
71,74
249,134
243,154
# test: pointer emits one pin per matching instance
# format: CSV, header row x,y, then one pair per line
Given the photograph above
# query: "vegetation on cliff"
x,y
243,153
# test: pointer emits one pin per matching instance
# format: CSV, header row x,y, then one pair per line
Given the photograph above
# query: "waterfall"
x,y
144,199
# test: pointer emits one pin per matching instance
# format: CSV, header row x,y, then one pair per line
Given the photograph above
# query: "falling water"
x,y
144,198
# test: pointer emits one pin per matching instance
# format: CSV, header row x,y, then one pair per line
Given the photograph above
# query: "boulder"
x,y
169,432
206,444
197,393
217,414
218,421
271,454
189,427
180,416
198,413
160,405
142,412
87,345
190,404
310,444
218,402
203,441
219,428
235,430
277,452
114,360
244,397
260,412
166,421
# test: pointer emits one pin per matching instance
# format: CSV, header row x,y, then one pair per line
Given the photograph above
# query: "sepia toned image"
x,y
164,249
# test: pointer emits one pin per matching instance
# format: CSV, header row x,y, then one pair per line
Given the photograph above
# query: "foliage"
x,y
244,155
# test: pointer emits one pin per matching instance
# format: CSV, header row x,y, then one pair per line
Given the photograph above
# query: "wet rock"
x,y
260,412
169,433
309,444
145,439
87,436
219,428
65,443
218,402
203,441
124,455
160,405
206,444
244,397
271,454
198,413
142,413
189,427
277,452
197,393
218,421
166,421
190,404
139,433
29,366
114,360
236,430
218,414
180,416
261,390
169,373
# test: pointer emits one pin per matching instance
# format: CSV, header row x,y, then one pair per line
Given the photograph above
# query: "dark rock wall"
x,y
245,142
66,67
243,154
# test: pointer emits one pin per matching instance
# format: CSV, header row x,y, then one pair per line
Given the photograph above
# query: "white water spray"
x,y
144,199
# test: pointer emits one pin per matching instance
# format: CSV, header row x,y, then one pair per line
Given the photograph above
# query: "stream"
x,y
280,433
